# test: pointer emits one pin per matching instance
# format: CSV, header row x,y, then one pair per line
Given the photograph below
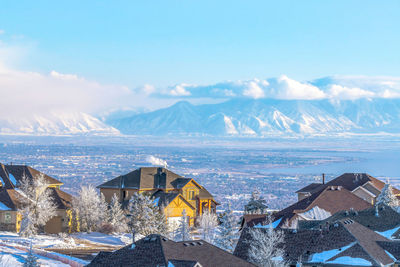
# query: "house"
x,y
10,196
344,242
382,219
362,185
170,191
318,206
156,250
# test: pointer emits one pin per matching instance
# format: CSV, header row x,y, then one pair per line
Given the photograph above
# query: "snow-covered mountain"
x,y
56,124
264,117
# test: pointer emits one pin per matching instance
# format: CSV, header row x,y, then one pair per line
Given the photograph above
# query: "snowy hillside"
x,y
56,124
263,117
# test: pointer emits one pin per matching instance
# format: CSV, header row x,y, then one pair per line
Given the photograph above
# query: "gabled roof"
x,y
331,199
19,171
164,199
387,219
12,198
344,238
146,178
4,177
350,181
156,250
311,188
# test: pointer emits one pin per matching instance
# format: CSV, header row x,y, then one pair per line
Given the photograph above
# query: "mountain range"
x,y
266,117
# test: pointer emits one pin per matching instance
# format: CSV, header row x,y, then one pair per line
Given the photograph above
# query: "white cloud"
x,y
345,93
179,90
254,91
286,88
24,93
156,161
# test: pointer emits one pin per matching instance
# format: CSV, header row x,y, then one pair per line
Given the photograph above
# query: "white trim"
x,y
365,190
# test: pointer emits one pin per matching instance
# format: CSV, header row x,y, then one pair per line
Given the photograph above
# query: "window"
x,y
192,195
7,217
123,195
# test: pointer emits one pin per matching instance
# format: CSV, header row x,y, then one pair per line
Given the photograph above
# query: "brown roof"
x,y
387,219
163,198
10,198
19,171
62,199
250,220
310,188
350,181
156,250
349,238
145,178
5,179
332,199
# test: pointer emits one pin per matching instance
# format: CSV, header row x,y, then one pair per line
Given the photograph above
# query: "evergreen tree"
x,y
116,216
145,217
387,197
256,205
37,204
31,259
183,231
226,239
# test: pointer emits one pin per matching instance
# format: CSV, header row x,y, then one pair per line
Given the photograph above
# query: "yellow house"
x,y
10,199
170,191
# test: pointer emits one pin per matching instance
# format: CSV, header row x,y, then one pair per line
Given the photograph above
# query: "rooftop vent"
x,y
146,238
153,239
193,243
200,243
165,239
348,221
186,244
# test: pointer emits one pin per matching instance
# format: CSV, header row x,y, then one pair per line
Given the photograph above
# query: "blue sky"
x,y
168,42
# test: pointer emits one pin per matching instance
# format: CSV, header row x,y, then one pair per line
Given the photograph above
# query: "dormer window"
x,y
192,195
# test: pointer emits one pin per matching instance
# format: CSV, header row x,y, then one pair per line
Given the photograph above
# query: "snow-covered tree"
x,y
227,236
145,216
207,222
183,231
37,204
90,208
31,260
256,204
387,197
265,247
116,216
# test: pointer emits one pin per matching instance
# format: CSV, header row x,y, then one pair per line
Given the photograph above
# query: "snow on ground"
x,y
112,240
14,257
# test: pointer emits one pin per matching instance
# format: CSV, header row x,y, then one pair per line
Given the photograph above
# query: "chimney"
x,y
323,178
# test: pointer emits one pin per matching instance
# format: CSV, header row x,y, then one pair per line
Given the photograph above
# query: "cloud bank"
x,y
336,87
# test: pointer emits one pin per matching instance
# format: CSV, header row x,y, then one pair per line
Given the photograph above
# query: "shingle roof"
x,y
144,178
19,171
331,199
6,183
10,198
360,241
156,250
310,188
350,181
165,198
387,219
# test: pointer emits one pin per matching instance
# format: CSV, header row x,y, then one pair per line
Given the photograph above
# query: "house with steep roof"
x,y
362,185
170,191
344,242
318,206
10,199
156,250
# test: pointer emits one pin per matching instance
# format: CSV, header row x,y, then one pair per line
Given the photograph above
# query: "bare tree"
x,y
37,204
208,221
265,247
90,208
